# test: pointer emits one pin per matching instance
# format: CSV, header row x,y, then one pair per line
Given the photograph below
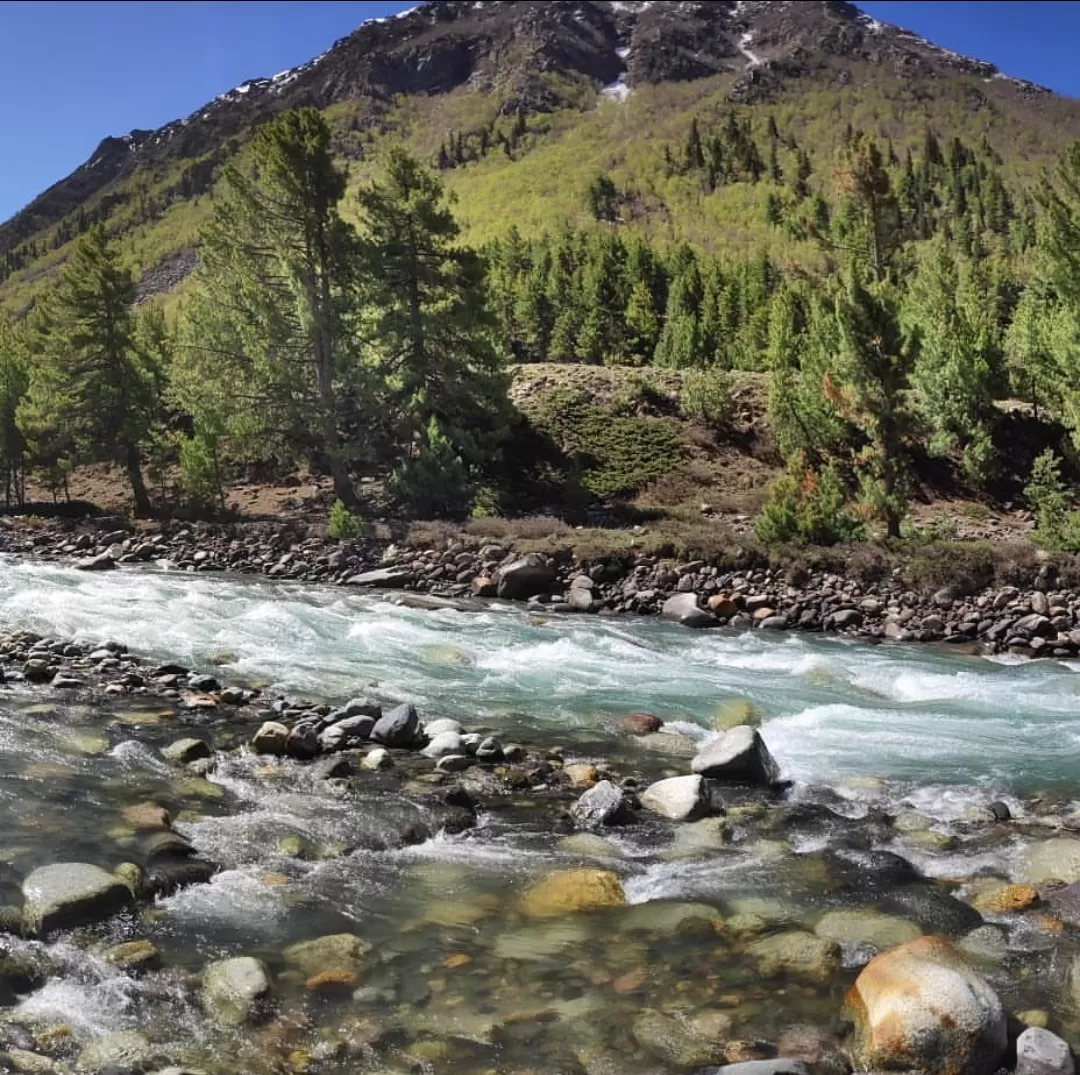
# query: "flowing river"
x,y
457,979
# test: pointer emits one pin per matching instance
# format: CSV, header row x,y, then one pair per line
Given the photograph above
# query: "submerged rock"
x,y
570,891
920,1007
69,894
1051,860
738,755
680,798
868,927
236,991
675,1041
184,751
340,952
641,723
123,1051
798,953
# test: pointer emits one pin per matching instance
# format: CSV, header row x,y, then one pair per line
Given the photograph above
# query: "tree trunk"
x,y
143,506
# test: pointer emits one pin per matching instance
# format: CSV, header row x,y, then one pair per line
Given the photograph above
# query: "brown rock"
x,y
764,613
332,981
147,815
641,723
720,604
582,775
485,586
630,982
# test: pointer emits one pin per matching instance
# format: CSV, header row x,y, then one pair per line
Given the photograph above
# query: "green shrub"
x,y
1056,527
707,397
435,482
344,526
200,469
809,507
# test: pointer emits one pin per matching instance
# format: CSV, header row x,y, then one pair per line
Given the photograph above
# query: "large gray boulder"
x,y
738,755
679,798
236,991
524,578
603,804
398,728
682,608
70,894
443,744
920,1007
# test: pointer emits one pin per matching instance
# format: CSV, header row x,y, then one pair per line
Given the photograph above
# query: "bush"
x,y
810,507
200,469
1056,527
344,526
435,482
706,397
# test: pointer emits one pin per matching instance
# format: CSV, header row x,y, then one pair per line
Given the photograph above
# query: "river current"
x,y
458,978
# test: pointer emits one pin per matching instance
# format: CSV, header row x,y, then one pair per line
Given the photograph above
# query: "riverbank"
x,y
865,593
329,887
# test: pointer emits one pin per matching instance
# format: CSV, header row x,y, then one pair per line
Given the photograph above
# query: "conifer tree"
x,y
431,328
269,340
90,381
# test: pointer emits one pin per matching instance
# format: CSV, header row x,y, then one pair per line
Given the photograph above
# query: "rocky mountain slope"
x,y
426,71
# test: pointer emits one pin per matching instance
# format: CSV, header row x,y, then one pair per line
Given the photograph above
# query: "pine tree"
x,y
268,347
14,382
431,322
90,380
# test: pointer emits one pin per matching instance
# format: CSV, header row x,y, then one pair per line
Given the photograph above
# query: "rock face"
x,y
604,804
1039,1052
398,728
524,578
69,894
573,890
920,1007
680,798
682,608
236,991
739,755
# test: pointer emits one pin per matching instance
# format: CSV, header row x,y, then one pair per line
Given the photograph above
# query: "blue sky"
x,y
73,72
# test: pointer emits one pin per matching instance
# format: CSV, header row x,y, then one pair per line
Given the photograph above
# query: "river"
x,y
458,979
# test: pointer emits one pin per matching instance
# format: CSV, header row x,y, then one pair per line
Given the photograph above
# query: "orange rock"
x,y
1006,899
147,816
764,613
457,959
573,890
332,981
582,775
641,723
721,604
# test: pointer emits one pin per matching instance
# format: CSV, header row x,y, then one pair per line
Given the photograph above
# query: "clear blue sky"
x,y
73,72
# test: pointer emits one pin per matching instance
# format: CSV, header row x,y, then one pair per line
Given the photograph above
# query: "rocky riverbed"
x,y
1040,619
206,876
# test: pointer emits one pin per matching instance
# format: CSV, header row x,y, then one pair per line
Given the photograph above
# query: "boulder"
x,y
146,815
570,891
1039,1052
641,723
236,991
343,952
387,578
880,931
69,894
104,561
604,804
797,953
738,755
442,744
347,733
398,728
678,798
580,599
920,1007
1064,904
935,910
270,739
1057,859
433,728
302,742
525,577
682,608
184,751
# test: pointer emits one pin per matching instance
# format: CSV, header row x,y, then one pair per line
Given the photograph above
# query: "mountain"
x,y
575,88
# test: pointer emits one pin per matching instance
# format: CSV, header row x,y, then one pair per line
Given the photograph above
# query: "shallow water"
x,y
460,978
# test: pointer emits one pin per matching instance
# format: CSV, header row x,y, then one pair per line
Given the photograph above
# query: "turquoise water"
x,y
832,709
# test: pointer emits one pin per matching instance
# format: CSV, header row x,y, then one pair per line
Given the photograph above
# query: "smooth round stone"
x,y
437,727
236,991
454,763
987,945
868,927
442,744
